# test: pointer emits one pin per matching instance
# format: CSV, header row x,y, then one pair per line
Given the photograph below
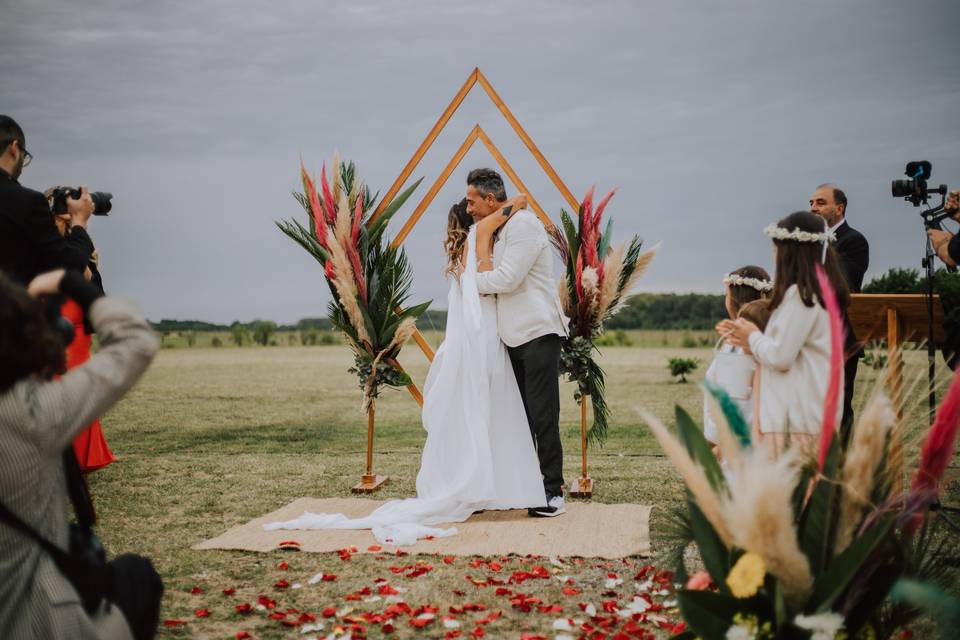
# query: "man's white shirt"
x,y
528,304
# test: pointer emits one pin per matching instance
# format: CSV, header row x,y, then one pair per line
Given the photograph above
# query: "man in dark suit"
x,y
29,240
830,202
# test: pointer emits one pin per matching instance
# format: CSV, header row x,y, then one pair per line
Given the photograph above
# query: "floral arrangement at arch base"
x,y
369,279
830,544
597,284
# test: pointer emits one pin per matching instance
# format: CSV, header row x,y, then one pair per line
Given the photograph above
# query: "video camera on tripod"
x,y
916,191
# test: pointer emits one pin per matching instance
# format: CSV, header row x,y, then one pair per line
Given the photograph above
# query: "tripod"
x,y
932,217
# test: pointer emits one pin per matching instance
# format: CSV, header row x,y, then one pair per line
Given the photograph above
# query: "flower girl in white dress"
x,y
733,370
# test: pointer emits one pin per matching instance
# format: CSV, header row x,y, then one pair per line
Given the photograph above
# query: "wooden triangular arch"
x,y
477,133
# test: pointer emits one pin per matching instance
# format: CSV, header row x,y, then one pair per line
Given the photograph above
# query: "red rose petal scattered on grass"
x,y
174,623
282,565
202,613
374,548
266,602
495,566
478,632
570,591
329,612
448,560
229,591
196,591
329,577
281,584
242,635
388,628
243,609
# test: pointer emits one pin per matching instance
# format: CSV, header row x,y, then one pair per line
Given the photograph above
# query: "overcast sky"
x,y
713,119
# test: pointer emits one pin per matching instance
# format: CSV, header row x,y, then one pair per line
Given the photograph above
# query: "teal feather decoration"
x,y
731,412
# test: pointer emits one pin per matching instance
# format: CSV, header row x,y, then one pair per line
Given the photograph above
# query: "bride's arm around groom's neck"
x,y
522,241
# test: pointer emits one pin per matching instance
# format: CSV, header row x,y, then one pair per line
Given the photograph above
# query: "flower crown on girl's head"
x,y
754,283
798,235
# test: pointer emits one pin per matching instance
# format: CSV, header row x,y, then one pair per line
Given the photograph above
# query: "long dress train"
x,y
479,452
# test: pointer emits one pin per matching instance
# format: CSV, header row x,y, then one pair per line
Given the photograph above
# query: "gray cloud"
x,y
713,119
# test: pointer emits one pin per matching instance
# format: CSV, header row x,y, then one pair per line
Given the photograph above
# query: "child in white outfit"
x,y
732,369
794,350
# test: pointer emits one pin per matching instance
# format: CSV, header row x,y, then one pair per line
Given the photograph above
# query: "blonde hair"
x,y
757,311
458,224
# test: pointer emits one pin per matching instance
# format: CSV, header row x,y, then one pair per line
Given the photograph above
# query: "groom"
x,y
530,320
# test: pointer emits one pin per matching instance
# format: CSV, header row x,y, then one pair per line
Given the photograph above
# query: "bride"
x,y
479,452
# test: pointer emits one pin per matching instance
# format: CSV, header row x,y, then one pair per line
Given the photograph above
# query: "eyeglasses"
x,y
27,156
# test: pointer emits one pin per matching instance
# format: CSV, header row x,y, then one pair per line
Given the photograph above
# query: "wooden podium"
x,y
898,319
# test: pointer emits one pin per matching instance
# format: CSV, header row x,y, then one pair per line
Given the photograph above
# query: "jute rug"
x,y
588,529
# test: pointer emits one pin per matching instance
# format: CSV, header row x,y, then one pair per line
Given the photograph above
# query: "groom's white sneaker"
x,y
555,507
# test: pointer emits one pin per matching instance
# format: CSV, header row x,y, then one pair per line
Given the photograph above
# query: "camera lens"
x,y
101,202
901,188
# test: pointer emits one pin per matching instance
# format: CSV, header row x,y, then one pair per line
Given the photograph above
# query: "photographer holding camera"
x,y
945,244
56,580
29,241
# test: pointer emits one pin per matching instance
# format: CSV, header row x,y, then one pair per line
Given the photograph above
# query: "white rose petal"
x,y
451,624
562,624
590,610
613,583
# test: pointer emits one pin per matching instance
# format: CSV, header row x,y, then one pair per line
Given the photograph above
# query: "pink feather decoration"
x,y
317,212
836,365
328,268
579,275
600,207
941,440
329,204
354,257
357,216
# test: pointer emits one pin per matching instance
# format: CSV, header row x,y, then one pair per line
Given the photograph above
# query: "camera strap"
x,y
61,557
78,490
92,582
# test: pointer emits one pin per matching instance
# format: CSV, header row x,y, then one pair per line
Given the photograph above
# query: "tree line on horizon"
x,y
666,311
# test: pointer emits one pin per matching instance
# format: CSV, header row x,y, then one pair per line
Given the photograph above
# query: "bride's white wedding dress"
x,y
479,453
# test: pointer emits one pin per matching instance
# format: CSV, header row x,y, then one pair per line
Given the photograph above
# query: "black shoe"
x,y
555,507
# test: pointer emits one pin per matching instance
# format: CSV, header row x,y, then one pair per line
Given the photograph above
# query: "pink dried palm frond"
x,y
316,211
600,207
329,204
835,379
941,441
343,231
578,272
357,219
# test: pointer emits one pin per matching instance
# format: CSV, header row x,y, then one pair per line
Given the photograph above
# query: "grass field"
x,y
212,437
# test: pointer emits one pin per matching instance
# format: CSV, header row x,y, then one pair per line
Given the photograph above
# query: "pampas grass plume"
x,y
863,457
693,476
759,512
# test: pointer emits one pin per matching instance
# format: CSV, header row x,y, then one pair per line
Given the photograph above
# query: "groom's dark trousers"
x,y
537,368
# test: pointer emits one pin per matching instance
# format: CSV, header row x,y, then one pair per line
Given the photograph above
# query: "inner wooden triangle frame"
x,y
477,133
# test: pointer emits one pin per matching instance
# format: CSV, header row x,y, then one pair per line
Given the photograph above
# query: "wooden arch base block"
x,y
582,488
369,484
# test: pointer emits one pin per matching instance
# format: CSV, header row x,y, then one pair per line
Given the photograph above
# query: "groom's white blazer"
x,y
528,304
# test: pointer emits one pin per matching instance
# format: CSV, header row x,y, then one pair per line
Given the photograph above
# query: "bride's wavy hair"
x,y
458,223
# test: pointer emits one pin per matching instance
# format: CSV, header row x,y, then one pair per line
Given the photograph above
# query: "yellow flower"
x,y
747,575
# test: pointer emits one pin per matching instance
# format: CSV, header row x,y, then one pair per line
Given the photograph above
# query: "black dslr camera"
x,y
101,200
915,189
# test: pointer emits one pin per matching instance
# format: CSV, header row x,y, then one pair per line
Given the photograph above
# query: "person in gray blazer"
x,y
515,263
39,417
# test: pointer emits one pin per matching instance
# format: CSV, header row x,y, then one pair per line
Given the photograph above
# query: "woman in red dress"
x,y
89,446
